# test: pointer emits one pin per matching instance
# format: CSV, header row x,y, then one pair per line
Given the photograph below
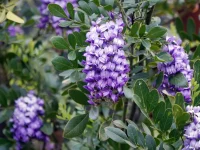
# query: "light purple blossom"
x,y
192,131
48,20
180,64
27,120
106,66
14,30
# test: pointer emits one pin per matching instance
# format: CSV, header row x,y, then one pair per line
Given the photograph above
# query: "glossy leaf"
x,y
78,97
116,134
166,120
156,32
150,142
159,79
178,80
56,10
70,9
72,55
76,126
84,6
72,40
61,63
59,42
159,111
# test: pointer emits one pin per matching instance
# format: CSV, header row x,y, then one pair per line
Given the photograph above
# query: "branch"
x,y
149,15
124,17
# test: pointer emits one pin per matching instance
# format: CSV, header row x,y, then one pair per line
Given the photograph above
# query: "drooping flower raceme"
x,y
46,19
26,119
106,66
14,30
192,131
180,64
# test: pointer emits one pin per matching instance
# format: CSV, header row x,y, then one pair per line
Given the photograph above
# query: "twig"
x,y
124,17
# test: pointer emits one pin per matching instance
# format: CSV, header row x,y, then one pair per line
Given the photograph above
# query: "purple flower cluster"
x,y
26,119
180,64
14,30
192,131
46,19
106,66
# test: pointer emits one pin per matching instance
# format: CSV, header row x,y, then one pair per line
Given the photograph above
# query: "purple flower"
x,y
46,19
106,66
180,64
27,120
14,30
192,131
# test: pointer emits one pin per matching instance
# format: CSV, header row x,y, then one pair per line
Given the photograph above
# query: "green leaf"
x,y
94,8
3,99
128,92
102,134
81,85
174,134
76,126
141,89
134,29
142,30
150,142
179,25
159,79
183,120
177,111
81,16
72,55
140,139
76,76
159,112
197,52
119,124
165,57
146,44
65,23
70,9
72,40
156,32
57,10
94,113
84,6
146,129
103,12
78,97
116,134
138,102
78,39
166,120
5,115
152,100
47,128
108,8
59,42
67,73
178,80
132,133
190,27
61,63
110,2
180,100
132,123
